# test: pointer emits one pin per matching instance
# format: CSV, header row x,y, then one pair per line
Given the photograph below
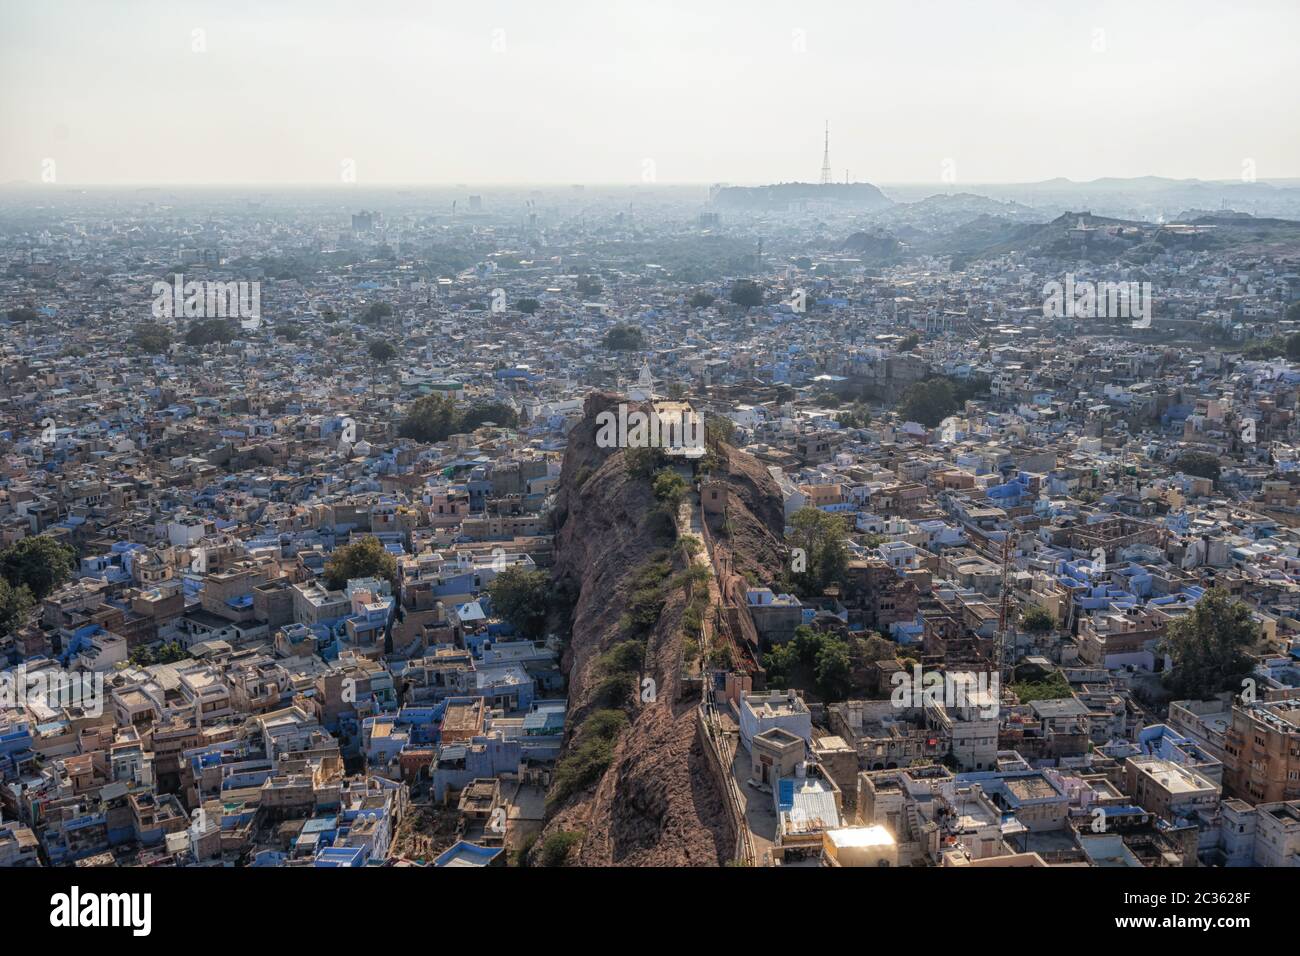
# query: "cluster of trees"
x,y
1199,463
362,559
823,553
1208,647
1052,687
522,598
556,847
856,416
701,300
590,754
934,399
15,604
1274,347
435,417
151,338
649,594
747,293
624,338
24,313
669,487
38,563
645,461
376,312
719,428
831,661
1037,620
167,653
29,570
928,402
207,331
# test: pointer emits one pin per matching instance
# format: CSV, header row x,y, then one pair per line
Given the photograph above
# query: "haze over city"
x,y
279,92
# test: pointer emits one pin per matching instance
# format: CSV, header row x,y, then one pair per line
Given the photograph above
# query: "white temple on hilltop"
x,y
644,389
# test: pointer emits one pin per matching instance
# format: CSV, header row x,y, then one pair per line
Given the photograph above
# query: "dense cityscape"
x,y
832,519
314,554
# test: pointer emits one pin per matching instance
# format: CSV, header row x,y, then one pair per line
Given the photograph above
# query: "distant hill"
x,y
953,209
874,248
784,195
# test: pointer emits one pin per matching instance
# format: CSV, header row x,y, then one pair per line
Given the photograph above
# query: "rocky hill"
x,y
656,803
634,784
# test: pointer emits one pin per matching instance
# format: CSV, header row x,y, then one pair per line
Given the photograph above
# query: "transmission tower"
x,y
826,157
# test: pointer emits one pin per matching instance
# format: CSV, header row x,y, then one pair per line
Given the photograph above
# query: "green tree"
x,y
171,652
873,647
472,416
624,338
589,756
24,313
909,342
1037,620
746,293
151,338
857,416
780,663
1208,646
823,539
528,306
520,597
362,559
376,312
1198,463
208,331
831,670
382,351
557,845
669,487
38,563
701,300
15,603
719,428
644,461
807,643
431,418
928,402
1054,686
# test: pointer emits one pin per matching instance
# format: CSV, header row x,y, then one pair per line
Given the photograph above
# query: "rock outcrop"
x,y
657,804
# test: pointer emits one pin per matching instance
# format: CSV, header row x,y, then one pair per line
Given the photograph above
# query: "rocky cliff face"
x,y
751,535
656,804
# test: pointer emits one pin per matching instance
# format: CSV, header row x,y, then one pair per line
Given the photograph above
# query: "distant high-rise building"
x,y
363,221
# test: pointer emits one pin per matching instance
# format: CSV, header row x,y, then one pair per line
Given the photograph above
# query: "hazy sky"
x,y
608,91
